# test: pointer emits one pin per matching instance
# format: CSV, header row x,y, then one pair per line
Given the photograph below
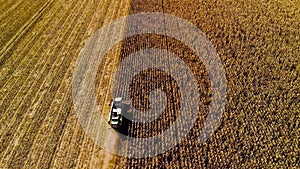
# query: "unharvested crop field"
x,y
257,41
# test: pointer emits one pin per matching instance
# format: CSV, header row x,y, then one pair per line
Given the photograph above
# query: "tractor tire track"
x,y
41,86
22,31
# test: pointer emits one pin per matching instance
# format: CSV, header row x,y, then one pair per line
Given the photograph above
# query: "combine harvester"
x,y
115,116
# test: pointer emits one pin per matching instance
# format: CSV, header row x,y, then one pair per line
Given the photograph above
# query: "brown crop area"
x,y
257,41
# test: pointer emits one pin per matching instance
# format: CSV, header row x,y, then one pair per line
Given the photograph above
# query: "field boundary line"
x,y
119,54
85,141
113,4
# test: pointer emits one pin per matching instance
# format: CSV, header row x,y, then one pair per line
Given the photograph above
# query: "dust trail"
x,y
110,143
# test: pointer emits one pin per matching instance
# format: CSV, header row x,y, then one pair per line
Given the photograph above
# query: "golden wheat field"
x,y
258,42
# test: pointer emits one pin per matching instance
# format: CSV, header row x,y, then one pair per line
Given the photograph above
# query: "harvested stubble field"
x,y
257,41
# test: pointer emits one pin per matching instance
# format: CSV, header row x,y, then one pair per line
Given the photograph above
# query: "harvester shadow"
x,y
126,123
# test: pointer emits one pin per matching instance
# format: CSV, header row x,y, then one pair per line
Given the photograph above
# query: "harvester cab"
x,y
115,116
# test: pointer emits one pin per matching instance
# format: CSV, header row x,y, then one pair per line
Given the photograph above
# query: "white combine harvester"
x,y
115,116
